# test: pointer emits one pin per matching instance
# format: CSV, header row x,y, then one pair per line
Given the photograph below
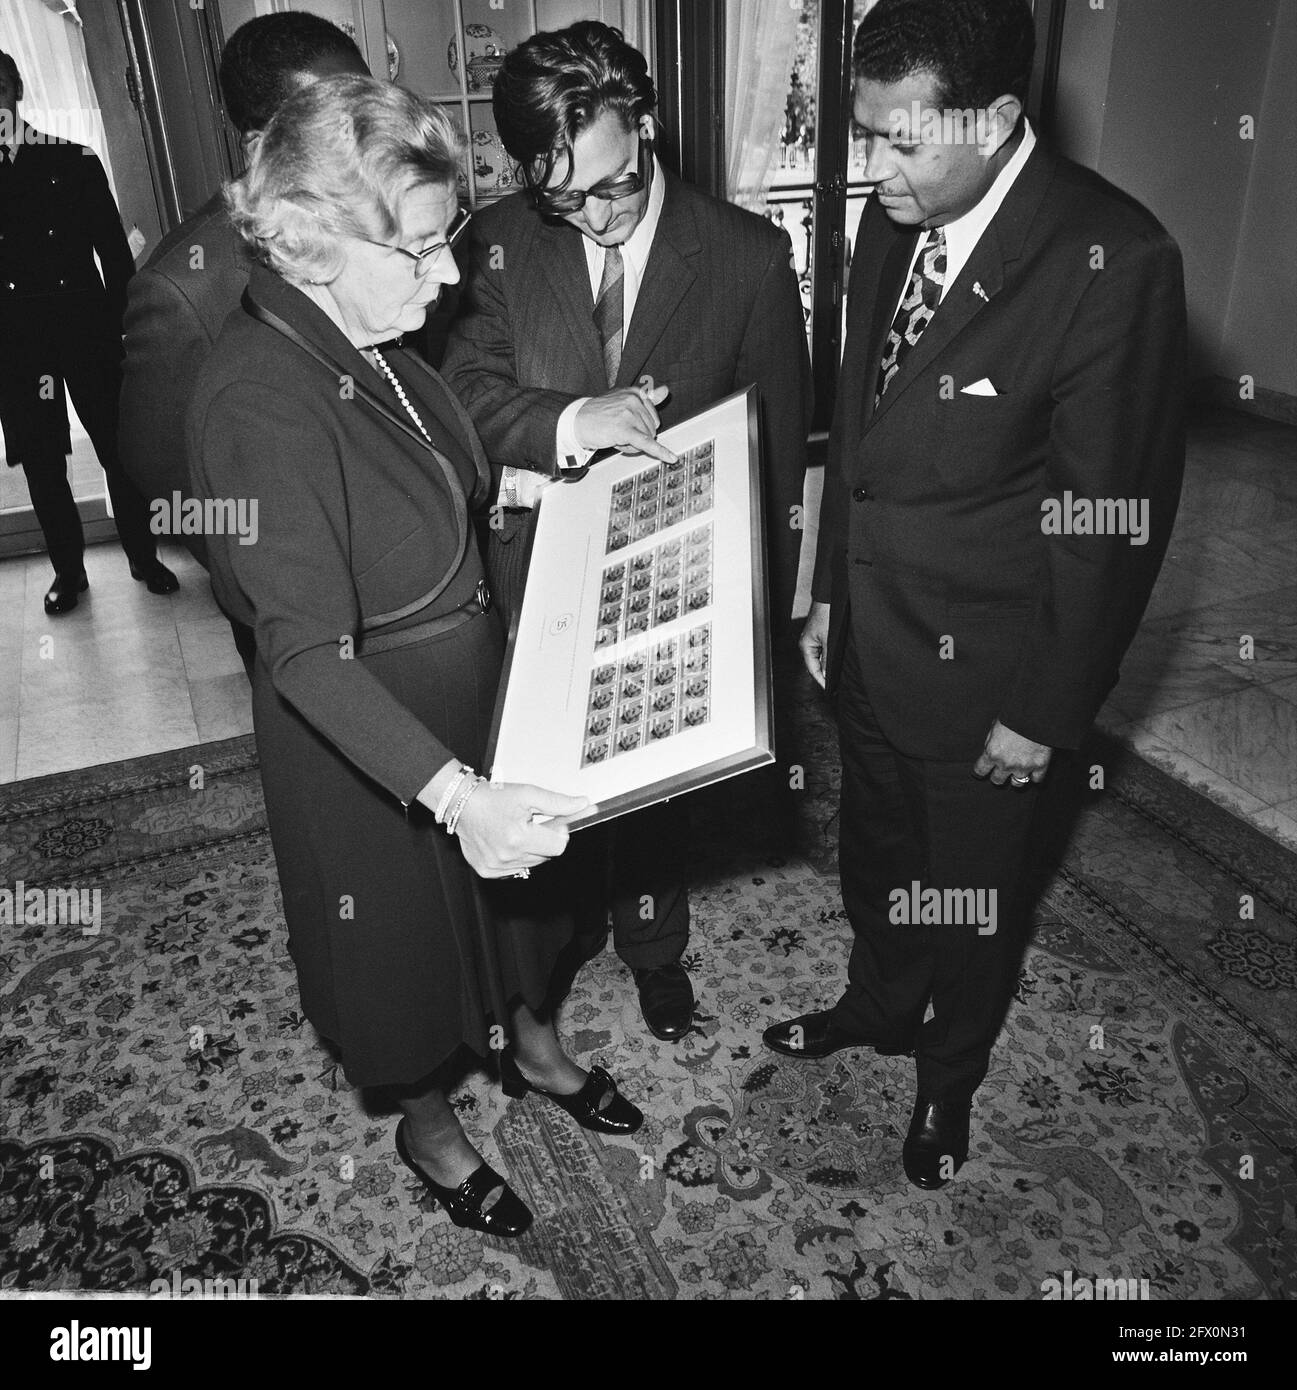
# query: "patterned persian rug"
x,y
168,1113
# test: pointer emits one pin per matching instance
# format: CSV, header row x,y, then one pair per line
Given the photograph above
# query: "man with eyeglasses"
x,y
606,302
191,283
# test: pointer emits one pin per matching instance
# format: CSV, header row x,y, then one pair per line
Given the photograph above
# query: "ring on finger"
x,y
1019,781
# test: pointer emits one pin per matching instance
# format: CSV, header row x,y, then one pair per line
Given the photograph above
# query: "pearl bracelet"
x,y
439,815
452,820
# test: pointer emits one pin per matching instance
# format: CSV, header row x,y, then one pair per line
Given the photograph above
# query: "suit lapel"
x,y
668,277
1000,244
468,436
367,390
324,341
985,267
892,280
562,259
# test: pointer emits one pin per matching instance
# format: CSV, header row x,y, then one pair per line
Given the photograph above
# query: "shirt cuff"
x,y
570,454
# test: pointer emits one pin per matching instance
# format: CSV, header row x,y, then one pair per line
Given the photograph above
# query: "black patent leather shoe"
x,y
619,1116
156,577
510,1216
63,593
816,1035
937,1144
666,999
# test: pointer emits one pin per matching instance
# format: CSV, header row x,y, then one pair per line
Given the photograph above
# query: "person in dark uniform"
x,y
60,332
378,657
182,295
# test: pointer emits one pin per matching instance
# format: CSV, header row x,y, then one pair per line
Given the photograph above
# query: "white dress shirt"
x,y
963,234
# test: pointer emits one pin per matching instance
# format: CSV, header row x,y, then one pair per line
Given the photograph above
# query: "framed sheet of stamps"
x,y
639,663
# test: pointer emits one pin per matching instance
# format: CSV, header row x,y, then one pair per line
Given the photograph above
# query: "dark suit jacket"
x,y
355,518
718,309
57,212
931,524
175,308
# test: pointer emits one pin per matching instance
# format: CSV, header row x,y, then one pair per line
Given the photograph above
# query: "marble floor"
x,y
1196,698
125,673
129,672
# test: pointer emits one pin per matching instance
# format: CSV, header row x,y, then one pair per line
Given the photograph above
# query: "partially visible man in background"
x,y
61,334
196,275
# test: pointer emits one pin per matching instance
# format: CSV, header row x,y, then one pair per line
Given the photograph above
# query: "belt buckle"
x,y
483,595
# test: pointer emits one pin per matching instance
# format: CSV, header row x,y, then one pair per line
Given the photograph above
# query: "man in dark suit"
x,y
622,301
178,301
60,333
1015,364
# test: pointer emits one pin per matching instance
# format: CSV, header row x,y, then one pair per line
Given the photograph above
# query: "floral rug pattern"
x,y
165,1107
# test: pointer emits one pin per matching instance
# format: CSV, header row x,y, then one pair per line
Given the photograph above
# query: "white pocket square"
x,y
979,388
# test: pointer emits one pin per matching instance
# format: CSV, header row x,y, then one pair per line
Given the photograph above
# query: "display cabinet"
x,y
450,50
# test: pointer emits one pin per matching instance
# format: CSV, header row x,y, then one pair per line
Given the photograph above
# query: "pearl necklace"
x,y
400,392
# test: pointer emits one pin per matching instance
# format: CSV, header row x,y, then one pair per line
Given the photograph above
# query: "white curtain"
x,y
760,44
45,40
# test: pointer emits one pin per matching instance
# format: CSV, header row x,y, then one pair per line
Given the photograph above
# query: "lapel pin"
x,y
980,292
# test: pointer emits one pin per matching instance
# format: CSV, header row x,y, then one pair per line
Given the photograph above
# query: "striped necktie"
x,y
916,309
609,312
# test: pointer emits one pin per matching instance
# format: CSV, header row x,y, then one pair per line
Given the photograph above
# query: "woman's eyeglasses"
x,y
423,259
574,199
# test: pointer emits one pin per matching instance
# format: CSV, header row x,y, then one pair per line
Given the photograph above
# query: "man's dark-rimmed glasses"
x,y
574,199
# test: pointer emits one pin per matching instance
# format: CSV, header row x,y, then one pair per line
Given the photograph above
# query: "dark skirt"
x,y
400,962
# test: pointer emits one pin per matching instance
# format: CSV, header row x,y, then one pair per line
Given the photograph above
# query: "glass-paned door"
x,y
857,190
815,190
790,202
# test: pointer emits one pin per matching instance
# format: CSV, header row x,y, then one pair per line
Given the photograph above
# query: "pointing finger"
x,y
647,444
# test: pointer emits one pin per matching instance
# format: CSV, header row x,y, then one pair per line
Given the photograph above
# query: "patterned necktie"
x,y
916,309
609,312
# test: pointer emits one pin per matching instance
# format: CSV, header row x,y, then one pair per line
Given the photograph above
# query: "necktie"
x,y
916,309
608,312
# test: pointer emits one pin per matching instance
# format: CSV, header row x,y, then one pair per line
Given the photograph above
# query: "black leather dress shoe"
x,y
666,998
156,576
62,596
937,1144
816,1035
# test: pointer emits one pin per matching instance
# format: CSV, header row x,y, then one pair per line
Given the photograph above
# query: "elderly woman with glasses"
x,y
377,655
